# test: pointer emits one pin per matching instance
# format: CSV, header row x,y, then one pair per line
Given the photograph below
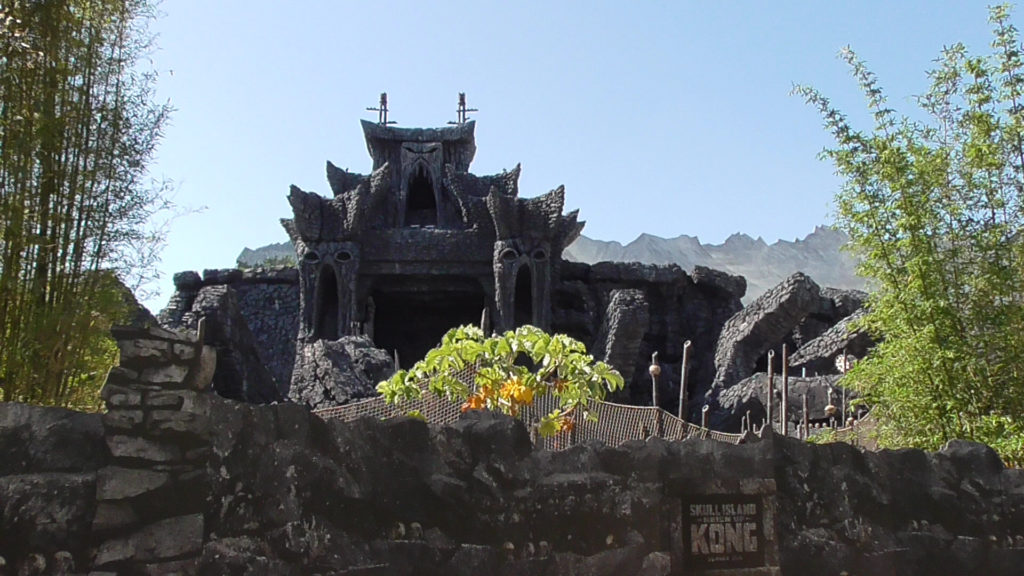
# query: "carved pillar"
x,y
540,262
510,260
328,272
506,264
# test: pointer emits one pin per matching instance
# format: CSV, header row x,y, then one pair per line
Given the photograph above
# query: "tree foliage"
x,y
78,127
934,208
514,369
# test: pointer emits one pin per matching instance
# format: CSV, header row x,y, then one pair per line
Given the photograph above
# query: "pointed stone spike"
x,y
485,321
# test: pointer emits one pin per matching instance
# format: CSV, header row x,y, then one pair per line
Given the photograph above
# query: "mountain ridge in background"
x,y
764,265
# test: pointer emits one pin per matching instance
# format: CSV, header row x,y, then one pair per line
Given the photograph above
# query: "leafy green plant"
x,y
514,368
826,436
935,208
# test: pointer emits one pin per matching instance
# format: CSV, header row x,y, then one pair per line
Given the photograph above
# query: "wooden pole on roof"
x,y
771,386
785,391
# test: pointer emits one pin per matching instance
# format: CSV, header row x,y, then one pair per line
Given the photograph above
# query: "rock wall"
x,y
673,307
259,311
180,480
266,321
48,463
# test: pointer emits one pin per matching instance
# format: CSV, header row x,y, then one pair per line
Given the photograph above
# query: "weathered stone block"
x,y
656,564
118,396
187,280
45,513
39,439
167,399
113,516
142,449
168,539
201,375
175,568
117,483
123,420
122,375
139,350
173,373
174,421
184,351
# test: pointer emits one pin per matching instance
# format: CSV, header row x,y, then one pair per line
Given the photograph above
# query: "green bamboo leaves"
x,y
77,128
935,208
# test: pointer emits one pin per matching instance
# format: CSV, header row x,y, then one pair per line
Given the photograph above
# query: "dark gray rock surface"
x,y
399,497
48,463
956,511
762,325
285,492
727,409
819,355
680,308
240,373
625,323
335,372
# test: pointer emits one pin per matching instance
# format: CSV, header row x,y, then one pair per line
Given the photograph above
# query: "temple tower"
x,y
421,245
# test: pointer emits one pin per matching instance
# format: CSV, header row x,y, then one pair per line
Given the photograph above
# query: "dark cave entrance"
x,y
411,315
326,309
421,207
523,297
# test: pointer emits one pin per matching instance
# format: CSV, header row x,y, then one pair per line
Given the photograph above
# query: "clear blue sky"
x,y
661,117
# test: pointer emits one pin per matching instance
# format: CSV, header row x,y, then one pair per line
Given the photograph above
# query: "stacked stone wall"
x,y
152,494
178,480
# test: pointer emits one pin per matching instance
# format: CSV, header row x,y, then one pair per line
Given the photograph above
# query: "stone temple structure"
x,y
391,260
421,245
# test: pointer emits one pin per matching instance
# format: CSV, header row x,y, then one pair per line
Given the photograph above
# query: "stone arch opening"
x,y
326,309
421,204
523,297
412,313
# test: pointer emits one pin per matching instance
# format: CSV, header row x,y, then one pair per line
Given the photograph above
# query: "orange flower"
x,y
474,402
524,395
513,390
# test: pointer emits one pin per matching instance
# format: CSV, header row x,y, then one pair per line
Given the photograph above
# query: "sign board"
x,y
724,531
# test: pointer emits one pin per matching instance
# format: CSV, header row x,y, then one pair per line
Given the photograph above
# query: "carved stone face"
x,y
421,174
429,154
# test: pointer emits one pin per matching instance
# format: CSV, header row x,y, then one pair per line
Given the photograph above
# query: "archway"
x,y
523,297
421,205
411,313
326,309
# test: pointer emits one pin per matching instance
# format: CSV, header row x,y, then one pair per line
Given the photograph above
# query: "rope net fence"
x,y
615,424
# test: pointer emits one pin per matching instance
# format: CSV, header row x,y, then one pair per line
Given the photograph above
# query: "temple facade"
x,y
421,244
393,259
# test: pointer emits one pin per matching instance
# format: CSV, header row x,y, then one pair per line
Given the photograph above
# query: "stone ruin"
x,y
394,258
